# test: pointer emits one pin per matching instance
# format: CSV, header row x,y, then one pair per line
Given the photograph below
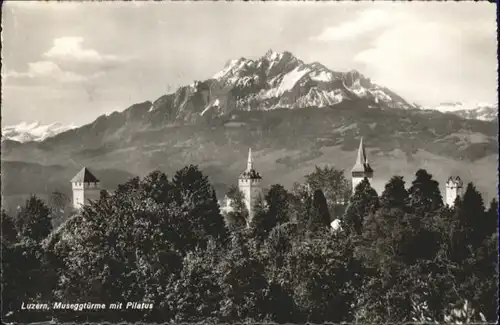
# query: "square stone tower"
x,y
454,189
85,187
249,185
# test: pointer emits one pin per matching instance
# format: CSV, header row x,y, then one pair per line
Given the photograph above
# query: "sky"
x,y
72,62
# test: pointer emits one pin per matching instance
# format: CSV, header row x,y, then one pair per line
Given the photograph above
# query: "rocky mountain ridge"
x,y
274,81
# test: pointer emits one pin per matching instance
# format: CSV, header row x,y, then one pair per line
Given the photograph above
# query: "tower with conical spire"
x,y
361,168
85,187
249,185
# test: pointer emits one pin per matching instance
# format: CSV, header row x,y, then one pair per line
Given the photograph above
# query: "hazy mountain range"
x,y
293,114
35,131
25,132
474,111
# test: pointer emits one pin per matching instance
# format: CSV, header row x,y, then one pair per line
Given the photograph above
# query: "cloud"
x,y
47,70
427,60
368,20
413,41
71,48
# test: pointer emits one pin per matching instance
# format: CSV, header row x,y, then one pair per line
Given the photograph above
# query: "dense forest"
x,y
401,256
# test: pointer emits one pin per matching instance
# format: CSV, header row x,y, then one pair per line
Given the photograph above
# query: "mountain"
x,y
293,115
474,111
276,80
25,132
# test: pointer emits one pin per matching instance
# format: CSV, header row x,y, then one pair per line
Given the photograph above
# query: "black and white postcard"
x,y
249,162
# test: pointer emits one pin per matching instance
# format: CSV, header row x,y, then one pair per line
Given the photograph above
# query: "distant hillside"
x,y
287,145
292,114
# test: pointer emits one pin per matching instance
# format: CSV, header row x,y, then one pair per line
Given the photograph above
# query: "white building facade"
x,y
454,189
85,187
249,184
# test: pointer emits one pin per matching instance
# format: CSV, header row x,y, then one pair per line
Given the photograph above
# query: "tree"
x,y
262,222
320,216
128,187
424,194
333,183
422,237
59,201
474,248
197,196
326,278
395,194
490,224
195,294
278,201
363,203
33,221
122,247
242,282
23,276
59,204
278,253
236,218
8,262
8,228
383,230
280,242
301,205
471,217
157,186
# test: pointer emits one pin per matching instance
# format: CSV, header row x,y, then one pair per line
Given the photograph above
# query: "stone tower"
x,y
85,187
249,185
361,168
454,189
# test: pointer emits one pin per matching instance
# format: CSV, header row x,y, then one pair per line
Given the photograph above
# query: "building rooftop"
x,y
84,176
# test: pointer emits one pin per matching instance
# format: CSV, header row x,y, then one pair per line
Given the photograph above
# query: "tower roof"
x,y
84,176
250,172
361,164
454,181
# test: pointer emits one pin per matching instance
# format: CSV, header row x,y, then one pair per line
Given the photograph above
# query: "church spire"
x,y
361,169
250,160
361,159
361,164
250,172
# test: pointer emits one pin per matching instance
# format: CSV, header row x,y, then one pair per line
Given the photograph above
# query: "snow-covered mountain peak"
x,y
278,56
273,56
459,106
469,110
274,80
34,131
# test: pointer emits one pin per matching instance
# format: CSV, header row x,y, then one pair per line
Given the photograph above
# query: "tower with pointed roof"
x,y
454,189
361,168
249,185
85,187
